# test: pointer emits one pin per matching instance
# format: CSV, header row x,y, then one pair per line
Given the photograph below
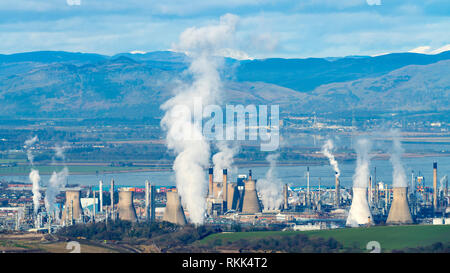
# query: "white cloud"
x,y
73,2
373,2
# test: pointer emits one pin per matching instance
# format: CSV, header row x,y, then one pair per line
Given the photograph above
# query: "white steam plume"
x,y
271,187
184,136
59,152
35,178
224,159
34,173
54,187
28,143
327,150
362,172
359,213
442,184
398,173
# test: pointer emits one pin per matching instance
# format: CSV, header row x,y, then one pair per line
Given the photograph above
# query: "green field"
x,y
389,237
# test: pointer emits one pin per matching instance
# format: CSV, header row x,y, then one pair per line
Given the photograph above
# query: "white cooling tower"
x,y
359,213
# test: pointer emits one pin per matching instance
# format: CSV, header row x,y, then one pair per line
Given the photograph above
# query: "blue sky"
x,y
302,28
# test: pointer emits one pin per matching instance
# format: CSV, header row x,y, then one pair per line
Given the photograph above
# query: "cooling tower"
x,y
125,206
72,207
250,203
435,189
174,212
359,213
399,212
337,194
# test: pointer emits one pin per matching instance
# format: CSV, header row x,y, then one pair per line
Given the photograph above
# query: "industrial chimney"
x,y
149,201
174,212
225,189
308,203
72,208
399,212
250,203
112,199
126,207
286,196
435,189
337,195
211,173
359,213
100,193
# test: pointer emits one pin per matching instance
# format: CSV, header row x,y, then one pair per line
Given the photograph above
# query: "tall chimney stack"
x,y
147,200
100,193
435,189
307,187
112,199
286,197
152,202
225,189
337,195
375,183
211,189
125,206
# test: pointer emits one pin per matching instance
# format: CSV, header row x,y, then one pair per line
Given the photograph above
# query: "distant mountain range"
x,y
65,84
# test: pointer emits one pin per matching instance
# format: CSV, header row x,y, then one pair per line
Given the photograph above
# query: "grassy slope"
x,y
389,237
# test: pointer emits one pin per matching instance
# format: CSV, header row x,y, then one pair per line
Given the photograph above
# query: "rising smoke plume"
x,y
359,213
224,159
327,150
56,183
28,143
35,179
34,174
184,136
54,186
362,172
442,184
271,187
398,173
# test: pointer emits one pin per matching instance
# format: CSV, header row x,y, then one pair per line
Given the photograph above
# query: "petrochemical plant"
x,y
228,202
